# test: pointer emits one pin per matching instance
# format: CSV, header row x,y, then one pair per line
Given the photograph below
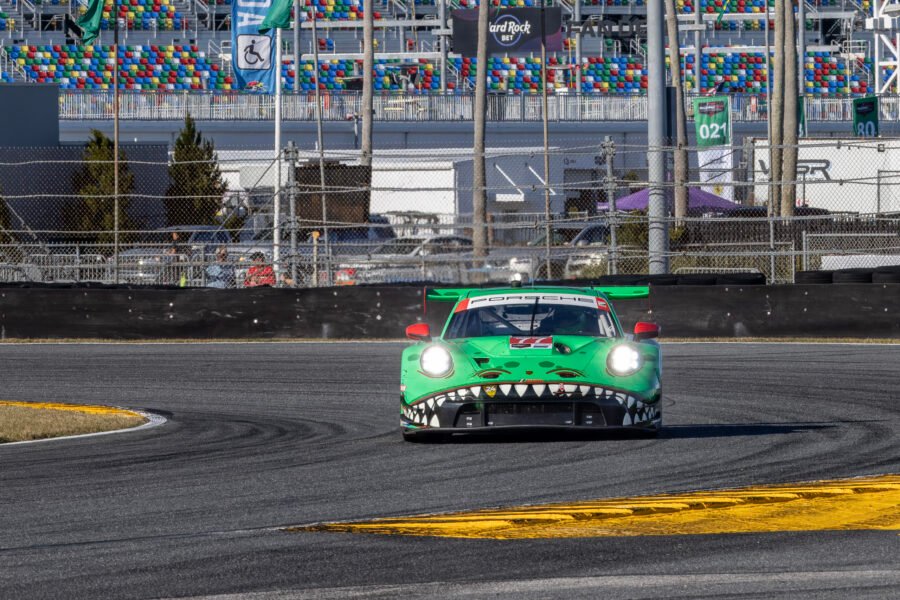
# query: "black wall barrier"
x,y
35,312
838,310
119,313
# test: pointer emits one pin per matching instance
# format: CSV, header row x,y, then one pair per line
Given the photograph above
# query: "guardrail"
x,y
342,106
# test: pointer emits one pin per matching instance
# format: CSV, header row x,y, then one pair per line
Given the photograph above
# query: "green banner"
x,y
801,116
865,116
712,121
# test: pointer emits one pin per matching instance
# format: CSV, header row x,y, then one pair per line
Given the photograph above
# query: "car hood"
x,y
504,360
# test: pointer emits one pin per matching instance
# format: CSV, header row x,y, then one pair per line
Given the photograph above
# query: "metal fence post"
x,y
878,191
805,246
771,249
609,152
292,205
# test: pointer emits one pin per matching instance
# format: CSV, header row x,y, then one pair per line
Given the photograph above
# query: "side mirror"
x,y
419,332
645,331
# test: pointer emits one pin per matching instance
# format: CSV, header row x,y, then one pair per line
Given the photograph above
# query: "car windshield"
x,y
399,246
530,315
560,236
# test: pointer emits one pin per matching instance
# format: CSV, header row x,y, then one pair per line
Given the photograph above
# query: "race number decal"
x,y
537,343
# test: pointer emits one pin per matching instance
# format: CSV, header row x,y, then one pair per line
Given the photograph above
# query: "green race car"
x,y
543,357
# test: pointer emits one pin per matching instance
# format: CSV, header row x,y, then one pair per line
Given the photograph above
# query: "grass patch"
x,y
22,421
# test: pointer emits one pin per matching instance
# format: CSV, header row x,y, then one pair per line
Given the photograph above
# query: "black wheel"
x,y
646,434
886,275
853,276
813,277
740,279
696,279
663,279
420,437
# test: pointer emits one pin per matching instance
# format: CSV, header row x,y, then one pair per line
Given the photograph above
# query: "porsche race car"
x,y
542,357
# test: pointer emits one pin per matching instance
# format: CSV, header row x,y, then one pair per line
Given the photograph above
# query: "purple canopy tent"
x,y
698,200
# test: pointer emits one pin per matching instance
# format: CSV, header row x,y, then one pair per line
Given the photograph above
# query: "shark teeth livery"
x,y
522,358
634,410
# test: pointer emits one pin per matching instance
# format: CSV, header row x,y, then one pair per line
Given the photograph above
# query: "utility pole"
x,y
681,153
479,175
365,156
658,239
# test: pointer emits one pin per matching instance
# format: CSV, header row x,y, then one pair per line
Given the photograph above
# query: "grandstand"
x,y
185,45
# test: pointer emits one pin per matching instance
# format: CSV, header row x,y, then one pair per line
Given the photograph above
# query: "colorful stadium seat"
x,y
149,67
142,15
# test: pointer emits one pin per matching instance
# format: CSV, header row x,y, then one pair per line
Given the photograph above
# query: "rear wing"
x,y
613,292
623,292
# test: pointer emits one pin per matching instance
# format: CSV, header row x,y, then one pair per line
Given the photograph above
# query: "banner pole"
x,y
116,139
276,219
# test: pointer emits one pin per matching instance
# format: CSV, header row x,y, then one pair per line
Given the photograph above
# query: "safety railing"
x,y
340,106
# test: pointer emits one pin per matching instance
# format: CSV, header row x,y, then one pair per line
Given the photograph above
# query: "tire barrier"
x,y
886,275
726,310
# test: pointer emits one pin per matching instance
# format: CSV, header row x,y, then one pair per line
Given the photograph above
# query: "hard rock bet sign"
x,y
513,30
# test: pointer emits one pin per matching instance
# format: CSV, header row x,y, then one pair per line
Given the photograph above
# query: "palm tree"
x,y
776,103
791,93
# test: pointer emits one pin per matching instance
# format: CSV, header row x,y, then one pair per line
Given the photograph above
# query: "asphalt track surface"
x,y
266,435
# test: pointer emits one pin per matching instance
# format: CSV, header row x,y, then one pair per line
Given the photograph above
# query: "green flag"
x,y
724,9
90,21
278,17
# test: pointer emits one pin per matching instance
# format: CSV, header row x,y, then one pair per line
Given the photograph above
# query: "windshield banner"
x,y
252,52
566,299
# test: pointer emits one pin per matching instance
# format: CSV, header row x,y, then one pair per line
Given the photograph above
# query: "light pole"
x,y
546,141
658,239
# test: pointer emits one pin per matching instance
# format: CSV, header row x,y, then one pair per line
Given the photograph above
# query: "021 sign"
x,y
712,121
865,116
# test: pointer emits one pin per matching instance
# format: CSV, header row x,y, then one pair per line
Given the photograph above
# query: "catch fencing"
x,y
155,105
194,216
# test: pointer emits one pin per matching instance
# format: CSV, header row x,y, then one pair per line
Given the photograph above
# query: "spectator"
x,y
175,245
260,273
176,254
220,274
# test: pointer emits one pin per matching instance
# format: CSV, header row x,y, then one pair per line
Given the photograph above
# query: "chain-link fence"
x,y
193,216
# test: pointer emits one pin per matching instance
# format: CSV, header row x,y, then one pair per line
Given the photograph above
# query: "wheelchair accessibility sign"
x,y
254,52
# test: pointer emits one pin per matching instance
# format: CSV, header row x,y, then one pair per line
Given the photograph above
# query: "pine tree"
x,y
196,187
94,212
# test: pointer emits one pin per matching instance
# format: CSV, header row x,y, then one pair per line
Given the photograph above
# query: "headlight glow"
x,y
623,360
435,361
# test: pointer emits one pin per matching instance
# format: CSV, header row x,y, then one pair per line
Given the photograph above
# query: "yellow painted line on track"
x,y
866,503
95,410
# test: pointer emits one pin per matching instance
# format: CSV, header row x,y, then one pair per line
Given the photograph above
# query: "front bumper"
x,y
543,404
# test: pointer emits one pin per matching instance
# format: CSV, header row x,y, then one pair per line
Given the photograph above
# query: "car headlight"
x,y
436,361
623,360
